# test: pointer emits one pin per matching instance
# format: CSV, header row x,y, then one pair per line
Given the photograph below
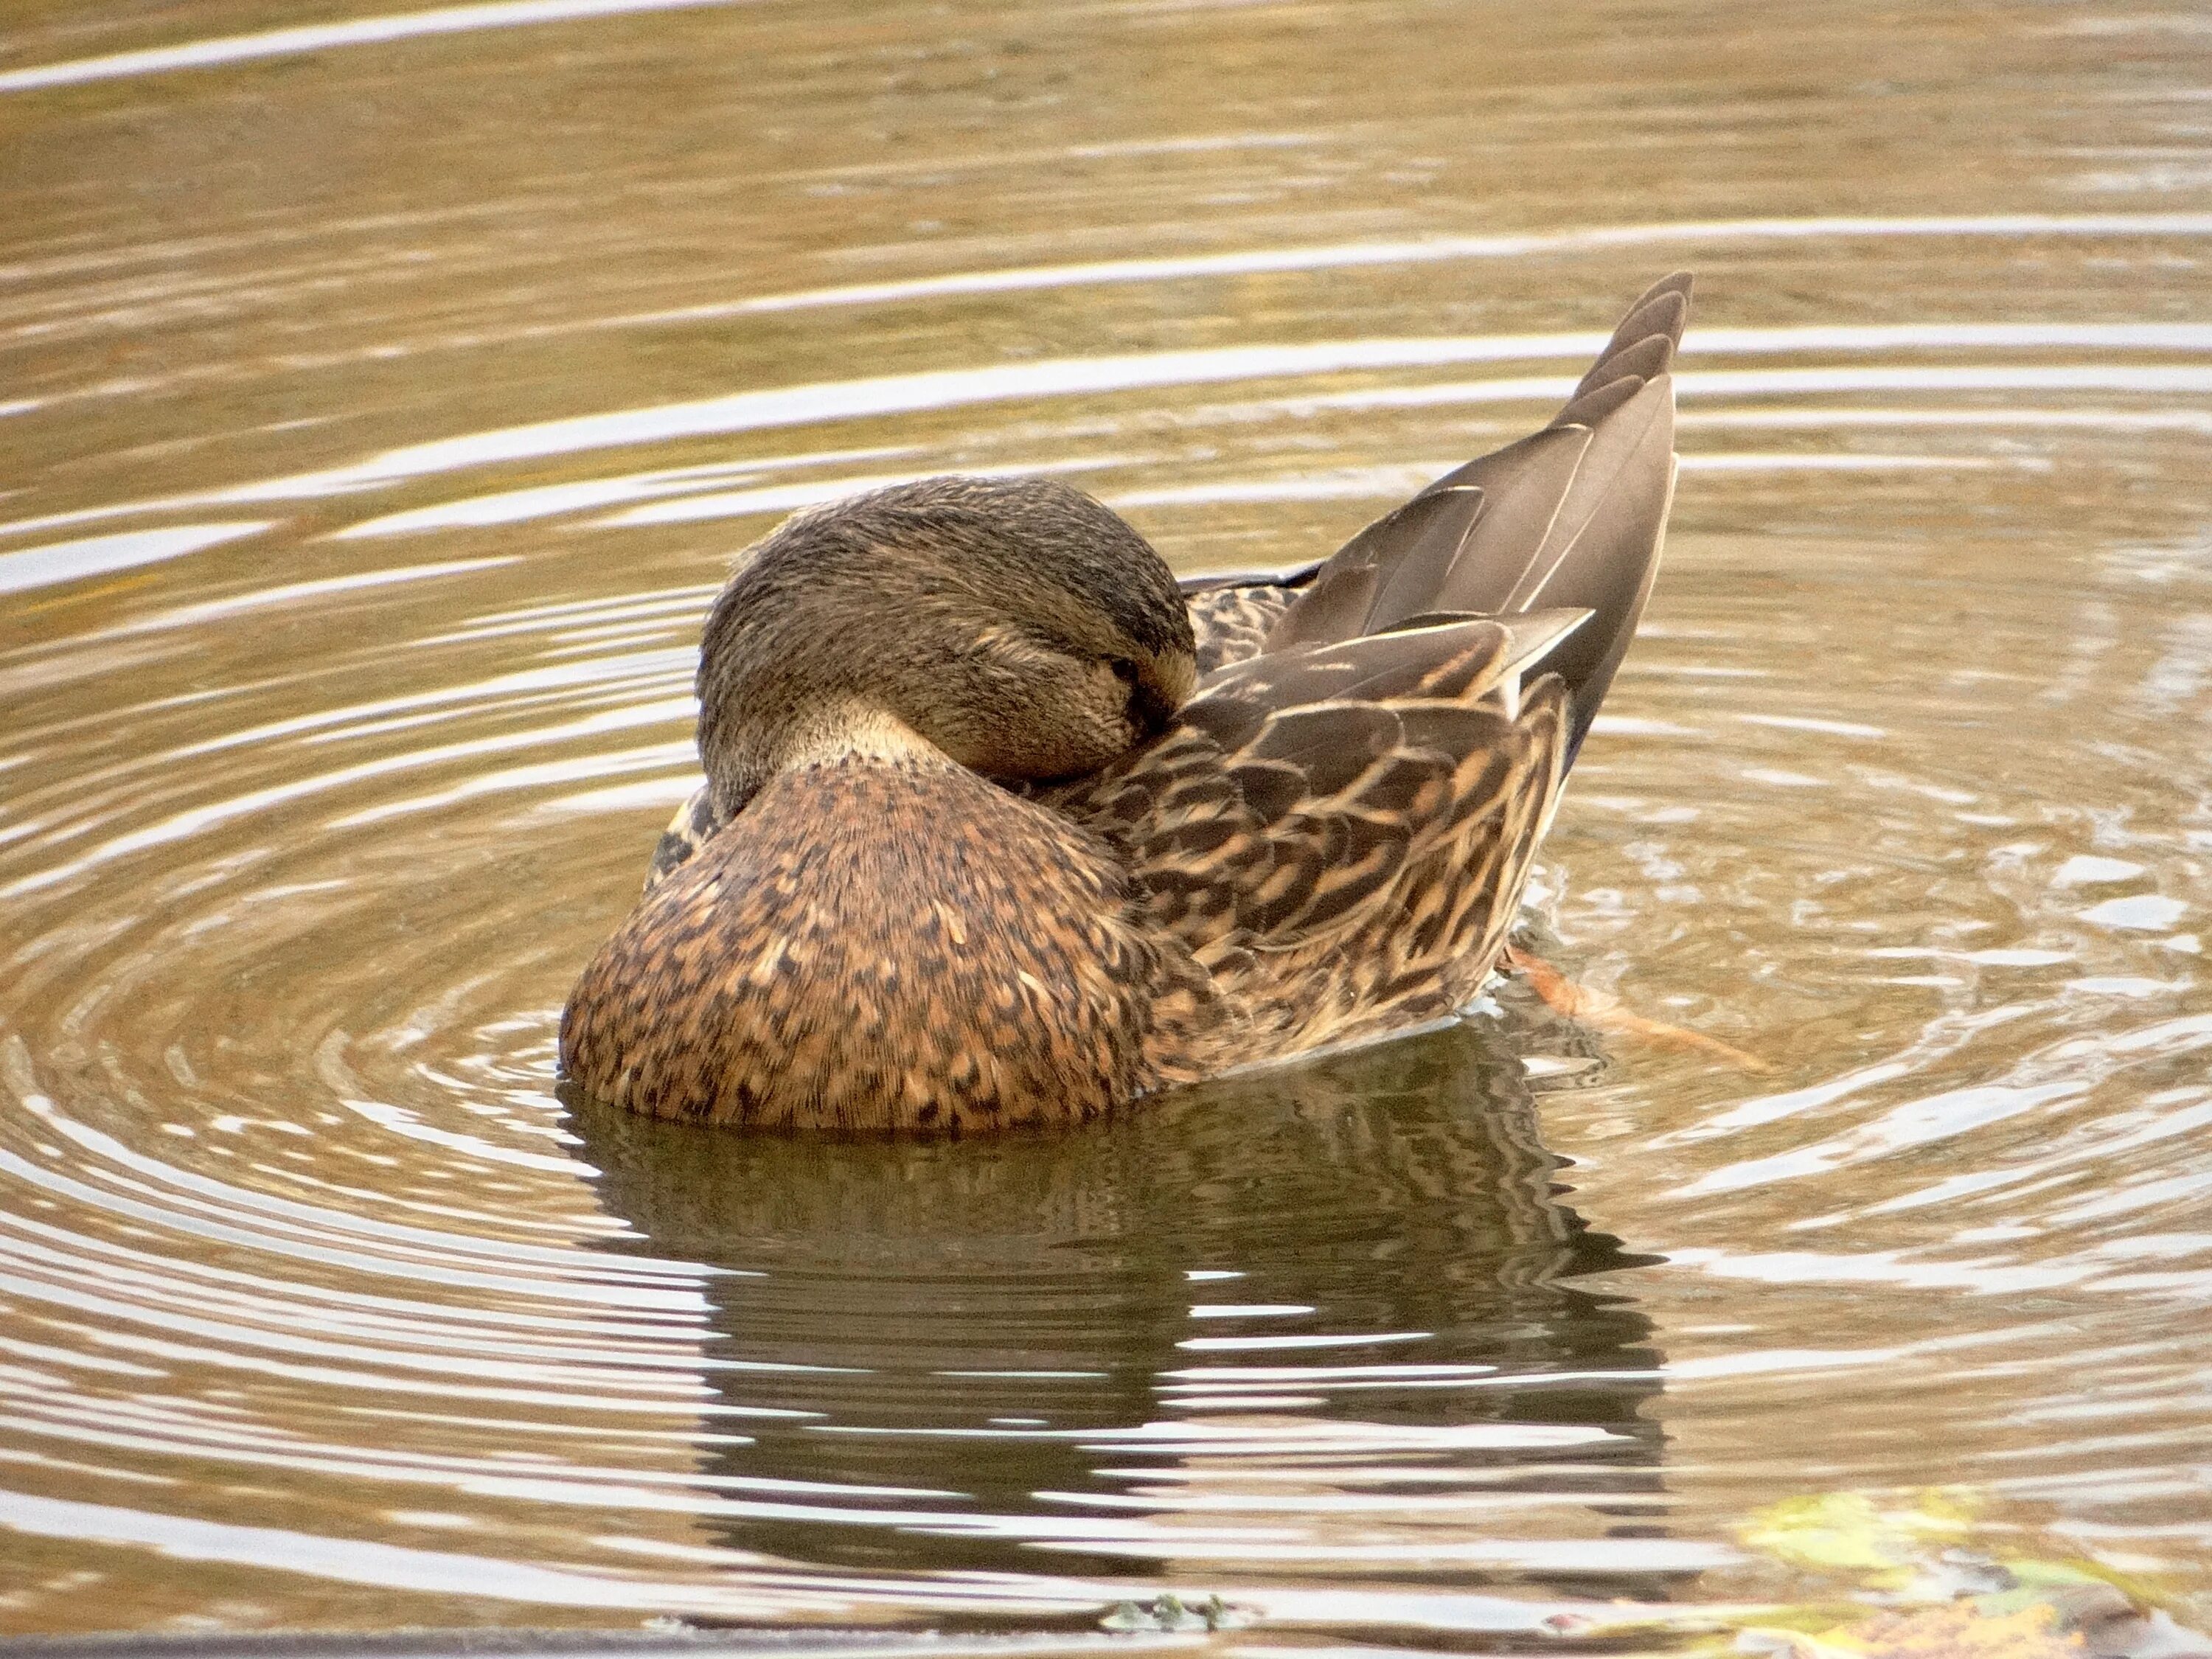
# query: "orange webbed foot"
x,y
1604,1013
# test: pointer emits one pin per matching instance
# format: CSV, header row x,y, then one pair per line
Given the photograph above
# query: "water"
x,y
382,397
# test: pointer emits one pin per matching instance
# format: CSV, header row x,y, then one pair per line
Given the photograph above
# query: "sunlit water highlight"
x,y
353,552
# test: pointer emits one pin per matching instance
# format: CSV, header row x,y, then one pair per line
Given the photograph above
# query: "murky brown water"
x,y
377,416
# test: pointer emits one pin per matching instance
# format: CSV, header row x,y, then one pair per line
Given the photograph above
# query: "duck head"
x,y
1014,624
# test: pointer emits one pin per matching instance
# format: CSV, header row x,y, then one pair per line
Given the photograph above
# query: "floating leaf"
x,y
1960,1632
1953,1602
1847,1532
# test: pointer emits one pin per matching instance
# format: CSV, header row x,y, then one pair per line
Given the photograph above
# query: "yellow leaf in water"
x,y
1847,1532
1958,1631
1835,1531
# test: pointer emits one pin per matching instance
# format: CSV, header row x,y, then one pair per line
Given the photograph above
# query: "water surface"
x,y
381,396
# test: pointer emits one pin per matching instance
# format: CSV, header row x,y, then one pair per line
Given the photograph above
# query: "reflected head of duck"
x,y
1015,625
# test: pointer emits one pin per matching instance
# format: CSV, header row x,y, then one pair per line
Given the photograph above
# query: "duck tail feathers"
x,y
1572,517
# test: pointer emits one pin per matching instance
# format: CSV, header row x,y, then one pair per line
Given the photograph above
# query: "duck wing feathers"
x,y
1573,516
1339,831
1231,614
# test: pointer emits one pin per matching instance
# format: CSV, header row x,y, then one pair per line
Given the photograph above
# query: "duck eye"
x,y
1148,709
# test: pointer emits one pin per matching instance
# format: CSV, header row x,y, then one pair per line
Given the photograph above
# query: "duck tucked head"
x,y
1014,624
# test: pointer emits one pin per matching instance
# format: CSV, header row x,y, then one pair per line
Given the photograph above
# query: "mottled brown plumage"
x,y
1231,619
990,967
967,857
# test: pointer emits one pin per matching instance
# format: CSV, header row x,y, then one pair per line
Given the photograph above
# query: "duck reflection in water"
x,y
1215,1337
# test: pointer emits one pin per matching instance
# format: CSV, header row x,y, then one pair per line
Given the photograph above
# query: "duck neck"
x,y
849,729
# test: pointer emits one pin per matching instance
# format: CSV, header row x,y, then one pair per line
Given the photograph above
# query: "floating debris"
x,y
1172,1612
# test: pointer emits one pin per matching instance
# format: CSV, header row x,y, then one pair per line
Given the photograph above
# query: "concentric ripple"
x,y
352,561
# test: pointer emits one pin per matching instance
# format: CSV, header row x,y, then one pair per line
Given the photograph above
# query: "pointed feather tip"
x,y
1664,309
1533,632
1537,633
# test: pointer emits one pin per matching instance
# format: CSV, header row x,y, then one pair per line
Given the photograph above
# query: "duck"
x,y
1005,826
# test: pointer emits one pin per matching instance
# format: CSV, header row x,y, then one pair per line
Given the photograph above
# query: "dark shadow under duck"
x,y
1003,825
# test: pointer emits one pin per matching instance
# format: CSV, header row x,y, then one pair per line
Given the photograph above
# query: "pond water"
x,y
383,395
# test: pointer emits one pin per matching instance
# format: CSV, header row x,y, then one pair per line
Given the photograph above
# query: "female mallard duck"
x,y
1002,826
